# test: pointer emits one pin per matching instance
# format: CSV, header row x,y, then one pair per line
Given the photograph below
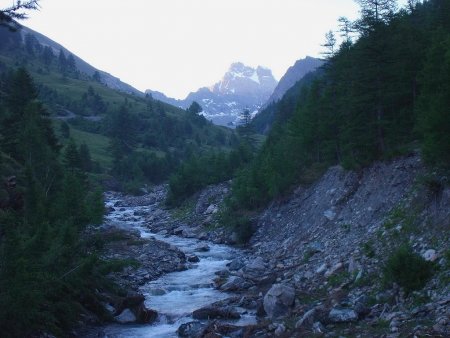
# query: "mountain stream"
x,y
175,295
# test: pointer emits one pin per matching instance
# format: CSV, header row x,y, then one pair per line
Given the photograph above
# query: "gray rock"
x,y
318,327
192,258
280,330
330,215
191,330
235,264
126,317
430,255
179,231
315,247
361,306
215,312
279,300
337,315
307,319
255,269
321,269
236,283
202,248
212,209
337,267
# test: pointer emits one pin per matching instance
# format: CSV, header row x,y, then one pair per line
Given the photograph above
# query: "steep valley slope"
x,y
317,260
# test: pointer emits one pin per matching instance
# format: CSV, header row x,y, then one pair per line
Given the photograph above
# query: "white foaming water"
x,y
175,295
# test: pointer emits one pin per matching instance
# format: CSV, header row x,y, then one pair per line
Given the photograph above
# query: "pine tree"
x,y
434,103
62,62
47,56
72,156
65,129
85,158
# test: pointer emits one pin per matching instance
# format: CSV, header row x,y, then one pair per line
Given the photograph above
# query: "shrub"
x,y
240,223
244,230
407,269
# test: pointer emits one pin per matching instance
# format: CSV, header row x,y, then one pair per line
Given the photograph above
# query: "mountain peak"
x,y
242,80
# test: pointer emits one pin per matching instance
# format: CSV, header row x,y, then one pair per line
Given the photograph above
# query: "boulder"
x,y
279,300
212,209
315,247
202,248
307,319
132,300
280,330
144,315
235,265
192,259
126,317
215,312
337,315
330,215
236,283
191,330
335,268
362,307
430,255
218,329
255,269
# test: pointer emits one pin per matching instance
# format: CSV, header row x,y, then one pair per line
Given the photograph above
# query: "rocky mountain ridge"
x,y
294,74
241,87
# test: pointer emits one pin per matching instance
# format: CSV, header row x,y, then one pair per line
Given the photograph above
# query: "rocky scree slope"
x,y
328,244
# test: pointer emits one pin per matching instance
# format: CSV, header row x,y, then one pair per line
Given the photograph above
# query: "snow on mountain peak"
x,y
242,80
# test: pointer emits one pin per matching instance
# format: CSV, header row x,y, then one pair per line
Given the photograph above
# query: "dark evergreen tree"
x,y
195,108
71,64
97,77
85,158
434,102
47,56
65,129
72,158
62,62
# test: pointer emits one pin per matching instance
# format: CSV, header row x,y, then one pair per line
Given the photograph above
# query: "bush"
x,y
244,230
407,269
239,223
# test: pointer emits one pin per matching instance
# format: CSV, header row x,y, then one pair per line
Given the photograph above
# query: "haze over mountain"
x,y
242,87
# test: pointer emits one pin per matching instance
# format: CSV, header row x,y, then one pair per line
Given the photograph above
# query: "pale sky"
x,y
178,46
